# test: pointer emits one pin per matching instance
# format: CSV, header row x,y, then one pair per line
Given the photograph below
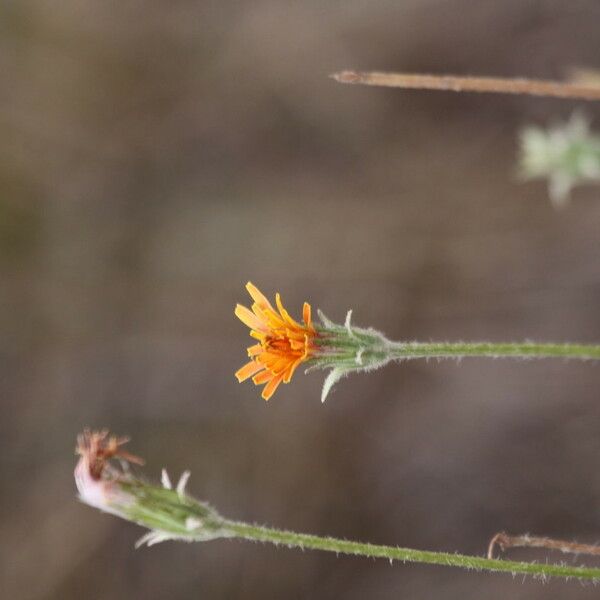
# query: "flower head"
x,y
98,479
169,514
283,344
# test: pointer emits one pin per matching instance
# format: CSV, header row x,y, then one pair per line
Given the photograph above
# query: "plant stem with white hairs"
x,y
172,514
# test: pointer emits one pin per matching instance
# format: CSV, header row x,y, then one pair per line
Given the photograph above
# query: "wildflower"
x,y
566,155
168,514
283,344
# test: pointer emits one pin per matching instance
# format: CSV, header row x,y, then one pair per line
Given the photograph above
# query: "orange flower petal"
x,y
297,344
268,315
262,377
290,370
270,388
274,319
248,318
294,334
248,370
258,296
306,314
267,359
306,348
284,313
280,366
255,350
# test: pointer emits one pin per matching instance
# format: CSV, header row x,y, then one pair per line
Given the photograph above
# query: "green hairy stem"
x,y
499,350
169,513
477,563
172,515
348,349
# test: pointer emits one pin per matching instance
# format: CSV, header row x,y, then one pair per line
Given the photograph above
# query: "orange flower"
x,y
283,343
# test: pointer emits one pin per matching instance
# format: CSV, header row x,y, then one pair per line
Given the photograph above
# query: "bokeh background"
x,y
154,156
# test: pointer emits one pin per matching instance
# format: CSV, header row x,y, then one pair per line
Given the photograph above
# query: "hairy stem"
x,y
497,85
477,563
400,350
171,514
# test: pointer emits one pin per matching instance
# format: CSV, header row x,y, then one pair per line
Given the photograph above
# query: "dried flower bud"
x,y
169,514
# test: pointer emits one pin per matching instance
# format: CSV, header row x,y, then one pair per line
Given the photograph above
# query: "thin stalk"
x,y
401,350
505,541
477,563
171,514
495,85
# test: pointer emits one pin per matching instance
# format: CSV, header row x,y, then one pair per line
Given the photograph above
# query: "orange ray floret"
x,y
283,344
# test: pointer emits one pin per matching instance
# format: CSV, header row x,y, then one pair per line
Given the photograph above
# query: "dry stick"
x,y
453,83
506,541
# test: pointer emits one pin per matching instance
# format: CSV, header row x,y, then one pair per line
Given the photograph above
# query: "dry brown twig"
x,y
505,541
495,85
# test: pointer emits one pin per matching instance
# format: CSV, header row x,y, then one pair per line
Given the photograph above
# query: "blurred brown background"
x,y
157,155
